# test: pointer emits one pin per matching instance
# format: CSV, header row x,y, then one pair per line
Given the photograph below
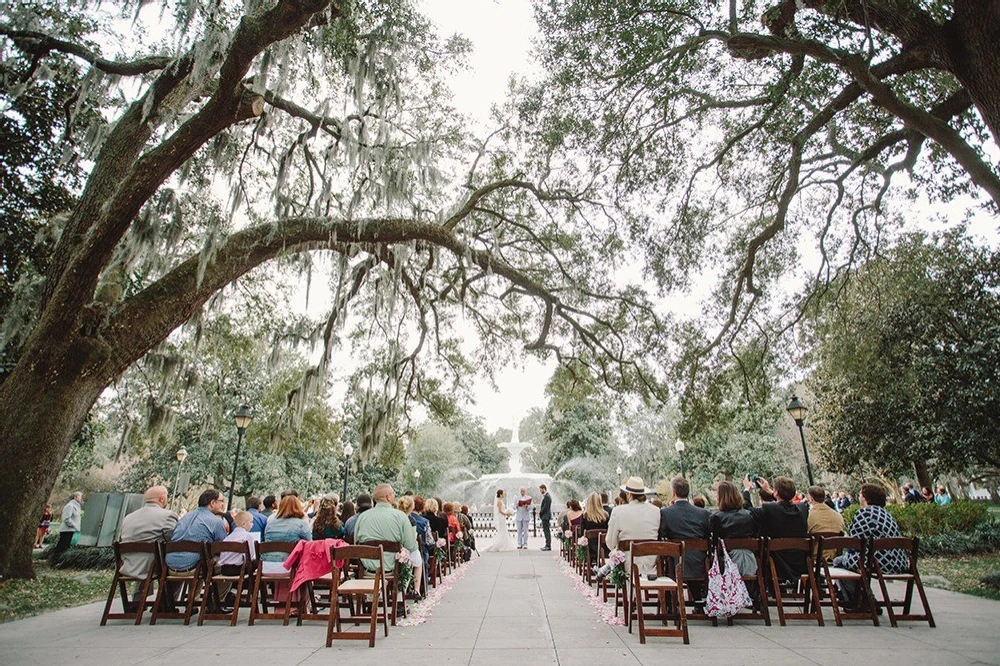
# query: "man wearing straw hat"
x,y
638,519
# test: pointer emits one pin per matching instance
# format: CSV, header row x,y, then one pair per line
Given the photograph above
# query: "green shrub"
x,y
928,519
849,515
85,558
983,538
991,580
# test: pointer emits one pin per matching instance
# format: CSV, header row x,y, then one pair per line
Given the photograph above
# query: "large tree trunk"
x,y
972,41
42,407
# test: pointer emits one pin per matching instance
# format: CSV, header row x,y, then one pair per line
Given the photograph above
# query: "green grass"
x,y
961,573
51,590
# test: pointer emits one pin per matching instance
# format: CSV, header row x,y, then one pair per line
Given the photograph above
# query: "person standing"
x,y
72,514
545,515
522,518
43,526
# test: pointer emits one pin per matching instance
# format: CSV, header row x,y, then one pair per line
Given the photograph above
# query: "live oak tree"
x,y
907,361
741,133
241,133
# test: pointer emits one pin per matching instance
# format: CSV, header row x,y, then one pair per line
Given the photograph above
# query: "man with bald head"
x,y
152,522
384,522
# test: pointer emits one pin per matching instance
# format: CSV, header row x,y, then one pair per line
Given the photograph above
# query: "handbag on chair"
x,y
727,593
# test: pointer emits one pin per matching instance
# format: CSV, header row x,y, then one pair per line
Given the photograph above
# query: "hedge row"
x,y
83,558
928,519
983,538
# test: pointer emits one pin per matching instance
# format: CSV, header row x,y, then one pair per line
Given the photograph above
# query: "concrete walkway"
x,y
513,609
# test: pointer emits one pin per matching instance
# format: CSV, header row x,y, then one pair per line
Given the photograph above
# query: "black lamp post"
x,y
182,453
242,418
679,447
798,412
348,450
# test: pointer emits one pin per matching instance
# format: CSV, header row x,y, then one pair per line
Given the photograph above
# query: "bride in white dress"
x,y
503,541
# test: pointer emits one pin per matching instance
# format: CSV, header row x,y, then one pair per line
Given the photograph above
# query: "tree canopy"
x,y
907,361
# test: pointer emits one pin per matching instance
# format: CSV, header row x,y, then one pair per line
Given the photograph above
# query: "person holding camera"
x,y
778,517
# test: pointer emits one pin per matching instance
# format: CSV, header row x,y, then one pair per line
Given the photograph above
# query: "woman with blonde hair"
x,y
594,518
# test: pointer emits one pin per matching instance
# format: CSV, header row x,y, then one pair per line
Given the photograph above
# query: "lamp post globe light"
x,y
679,447
798,412
348,450
242,419
182,453
416,481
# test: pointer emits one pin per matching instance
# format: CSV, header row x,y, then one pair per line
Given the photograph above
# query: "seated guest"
x,y
346,511
438,523
465,520
604,503
595,517
732,521
259,519
153,522
823,519
270,506
327,525
383,522
289,524
638,519
778,519
406,504
699,501
230,564
928,495
454,527
362,503
574,513
684,520
872,521
203,524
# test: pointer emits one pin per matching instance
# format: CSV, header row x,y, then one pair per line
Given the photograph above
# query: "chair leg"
x,y
111,599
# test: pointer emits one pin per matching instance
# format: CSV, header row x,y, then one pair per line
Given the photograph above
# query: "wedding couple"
x,y
522,518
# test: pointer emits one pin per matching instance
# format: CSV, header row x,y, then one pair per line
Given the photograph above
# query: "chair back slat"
x,y
387,546
355,552
273,547
240,547
789,543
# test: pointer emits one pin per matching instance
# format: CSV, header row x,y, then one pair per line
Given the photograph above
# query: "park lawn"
x,y
961,573
51,590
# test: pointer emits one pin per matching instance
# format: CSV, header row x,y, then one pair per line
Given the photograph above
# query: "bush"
x,y
85,558
928,519
984,538
991,580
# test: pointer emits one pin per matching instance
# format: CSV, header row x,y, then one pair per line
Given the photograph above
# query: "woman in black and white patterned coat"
x,y
872,521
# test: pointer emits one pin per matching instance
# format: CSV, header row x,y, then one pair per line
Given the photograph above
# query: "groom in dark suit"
x,y
545,515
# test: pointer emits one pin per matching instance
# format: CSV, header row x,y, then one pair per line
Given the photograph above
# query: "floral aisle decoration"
x,y
405,570
581,549
606,611
567,539
421,611
617,576
439,549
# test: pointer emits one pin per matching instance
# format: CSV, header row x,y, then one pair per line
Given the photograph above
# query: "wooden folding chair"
x,y
697,586
806,591
266,585
390,588
669,592
132,606
179,586
591,564
623,597
755,583
355,590
434,570
911,577
835,575
211,601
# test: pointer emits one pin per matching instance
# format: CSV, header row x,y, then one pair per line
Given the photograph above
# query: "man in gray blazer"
x,y
683,520
152,522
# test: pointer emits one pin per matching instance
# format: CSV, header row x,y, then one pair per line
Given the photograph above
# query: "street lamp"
x,y
242,418
798,412
182,453
416,476
679,447
348,450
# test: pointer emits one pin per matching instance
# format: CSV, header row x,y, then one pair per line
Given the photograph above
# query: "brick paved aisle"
x,y
511,609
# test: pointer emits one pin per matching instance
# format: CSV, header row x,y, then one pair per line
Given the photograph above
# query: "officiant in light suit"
x,y
522,518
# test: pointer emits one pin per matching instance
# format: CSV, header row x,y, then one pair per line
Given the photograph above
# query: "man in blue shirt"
x,y
204,524
259,519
